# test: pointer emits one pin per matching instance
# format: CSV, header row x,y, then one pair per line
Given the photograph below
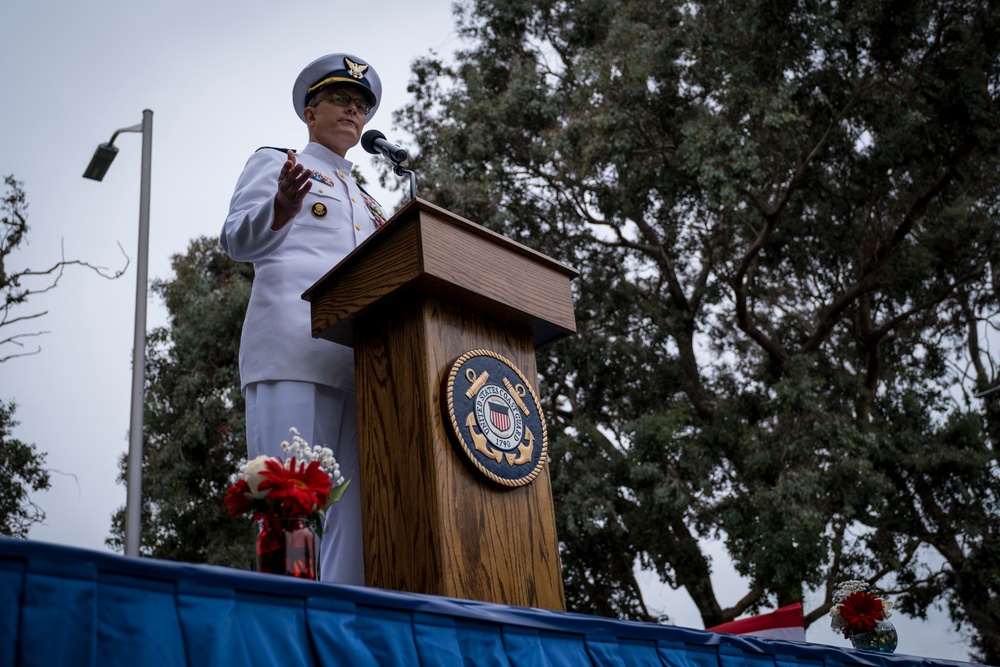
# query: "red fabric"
x,y
784,623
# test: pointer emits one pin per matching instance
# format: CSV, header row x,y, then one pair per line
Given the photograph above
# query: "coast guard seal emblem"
x,y
495,418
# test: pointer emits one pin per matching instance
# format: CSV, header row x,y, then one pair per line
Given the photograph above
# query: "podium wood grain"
x,y
421,292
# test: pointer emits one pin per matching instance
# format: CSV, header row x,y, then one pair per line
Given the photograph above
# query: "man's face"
x,y
335,126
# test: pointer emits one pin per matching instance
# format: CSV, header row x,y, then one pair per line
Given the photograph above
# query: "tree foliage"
x,y
785,219
22,471
194,429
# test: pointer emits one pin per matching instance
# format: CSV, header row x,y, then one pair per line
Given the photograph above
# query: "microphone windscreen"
x,y
368,141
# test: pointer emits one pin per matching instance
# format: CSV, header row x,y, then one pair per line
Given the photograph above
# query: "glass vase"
x,y
882,639
287,545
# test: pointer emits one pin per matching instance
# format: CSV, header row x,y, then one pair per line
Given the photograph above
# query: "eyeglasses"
x,y
343,99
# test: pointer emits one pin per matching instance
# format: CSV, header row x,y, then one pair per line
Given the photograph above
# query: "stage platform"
x,y
82,608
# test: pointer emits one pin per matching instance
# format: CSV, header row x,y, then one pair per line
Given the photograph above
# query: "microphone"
x,y
375,143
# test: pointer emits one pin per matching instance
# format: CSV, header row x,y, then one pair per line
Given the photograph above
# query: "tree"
x,y
21,464
785,218
194,429
22,469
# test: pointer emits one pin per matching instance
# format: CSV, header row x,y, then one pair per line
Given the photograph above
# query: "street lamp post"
x,y
96,170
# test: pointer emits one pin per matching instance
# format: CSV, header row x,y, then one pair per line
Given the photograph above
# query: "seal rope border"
x,y
456,429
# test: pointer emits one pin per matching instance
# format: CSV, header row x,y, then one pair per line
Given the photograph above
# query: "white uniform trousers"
x,y
323,416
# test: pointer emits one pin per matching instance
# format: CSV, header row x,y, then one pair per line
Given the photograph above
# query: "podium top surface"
x,y
424,249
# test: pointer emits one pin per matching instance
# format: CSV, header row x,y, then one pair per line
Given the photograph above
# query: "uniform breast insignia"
x,y
494,418
377,215
323,178
319,210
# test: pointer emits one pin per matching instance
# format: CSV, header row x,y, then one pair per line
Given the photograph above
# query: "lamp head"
x,y
99,164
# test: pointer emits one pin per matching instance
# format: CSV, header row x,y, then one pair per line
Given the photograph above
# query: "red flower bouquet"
x,y
272,487
285,496
856,608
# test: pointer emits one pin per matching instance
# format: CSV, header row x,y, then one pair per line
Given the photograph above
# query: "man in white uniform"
x,y
295,216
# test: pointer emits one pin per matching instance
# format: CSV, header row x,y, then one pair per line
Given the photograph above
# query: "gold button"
x,y
340,173
357,226
354,200
320,190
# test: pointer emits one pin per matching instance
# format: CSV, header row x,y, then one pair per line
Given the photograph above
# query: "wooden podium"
x,y
423,290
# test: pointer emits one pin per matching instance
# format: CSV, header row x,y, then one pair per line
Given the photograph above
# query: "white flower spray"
x,y
301,450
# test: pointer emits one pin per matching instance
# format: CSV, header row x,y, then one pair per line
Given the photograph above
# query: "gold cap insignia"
x,y
355,69
319,210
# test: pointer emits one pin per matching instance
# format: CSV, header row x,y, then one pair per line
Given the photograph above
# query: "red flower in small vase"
x,y
296,487
237,500
861,613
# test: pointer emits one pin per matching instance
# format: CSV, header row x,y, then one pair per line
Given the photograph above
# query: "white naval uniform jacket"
x,y
277,342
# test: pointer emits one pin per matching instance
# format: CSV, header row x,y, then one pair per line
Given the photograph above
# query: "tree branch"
x,y
881,259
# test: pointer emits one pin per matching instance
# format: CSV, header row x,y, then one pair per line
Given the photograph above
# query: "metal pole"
x,y
399,171
133,505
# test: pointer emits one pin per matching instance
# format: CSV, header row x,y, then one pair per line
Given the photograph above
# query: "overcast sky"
x,y
218,77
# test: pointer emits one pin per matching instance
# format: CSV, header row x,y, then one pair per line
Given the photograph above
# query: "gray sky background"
x,y
218,76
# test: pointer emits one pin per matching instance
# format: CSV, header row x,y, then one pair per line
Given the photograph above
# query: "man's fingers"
x,y
299,187
289,163
293,181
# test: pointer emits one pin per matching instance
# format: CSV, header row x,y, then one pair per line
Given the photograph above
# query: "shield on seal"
x,y
500,416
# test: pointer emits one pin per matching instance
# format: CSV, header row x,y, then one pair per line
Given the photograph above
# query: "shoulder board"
x,y
275,148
